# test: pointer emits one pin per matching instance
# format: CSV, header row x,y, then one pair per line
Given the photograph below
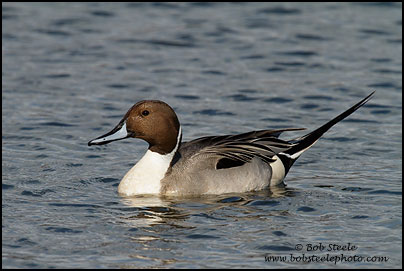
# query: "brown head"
x,y
151,120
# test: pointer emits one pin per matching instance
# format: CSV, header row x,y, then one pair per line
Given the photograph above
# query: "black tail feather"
x,y
289,157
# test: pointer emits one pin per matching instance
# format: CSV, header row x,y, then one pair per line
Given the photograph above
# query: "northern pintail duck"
x,y
209,165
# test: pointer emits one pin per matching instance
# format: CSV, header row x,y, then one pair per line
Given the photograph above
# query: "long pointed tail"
x,y
305,142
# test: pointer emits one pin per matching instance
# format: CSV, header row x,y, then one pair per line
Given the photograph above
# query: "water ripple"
x,y
213,112
280,11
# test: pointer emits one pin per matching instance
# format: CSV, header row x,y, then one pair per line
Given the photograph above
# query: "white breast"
x,y
145,177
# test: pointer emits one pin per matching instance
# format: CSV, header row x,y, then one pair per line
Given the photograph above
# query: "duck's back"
x,y
202,166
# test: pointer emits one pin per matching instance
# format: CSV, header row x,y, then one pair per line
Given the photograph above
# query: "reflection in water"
x,y
144,201
145,210
149,210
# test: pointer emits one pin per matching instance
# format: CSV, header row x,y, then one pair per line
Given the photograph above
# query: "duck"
x,y
218,164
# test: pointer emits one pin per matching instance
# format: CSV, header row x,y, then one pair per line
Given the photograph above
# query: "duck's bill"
x,y
118,133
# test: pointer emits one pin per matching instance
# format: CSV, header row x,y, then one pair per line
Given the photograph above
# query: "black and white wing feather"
x,y
263,144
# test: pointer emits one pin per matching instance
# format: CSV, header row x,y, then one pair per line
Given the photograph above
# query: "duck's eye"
x,y
145,112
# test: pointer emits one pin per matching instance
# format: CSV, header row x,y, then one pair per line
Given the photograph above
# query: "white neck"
x,y
146,175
